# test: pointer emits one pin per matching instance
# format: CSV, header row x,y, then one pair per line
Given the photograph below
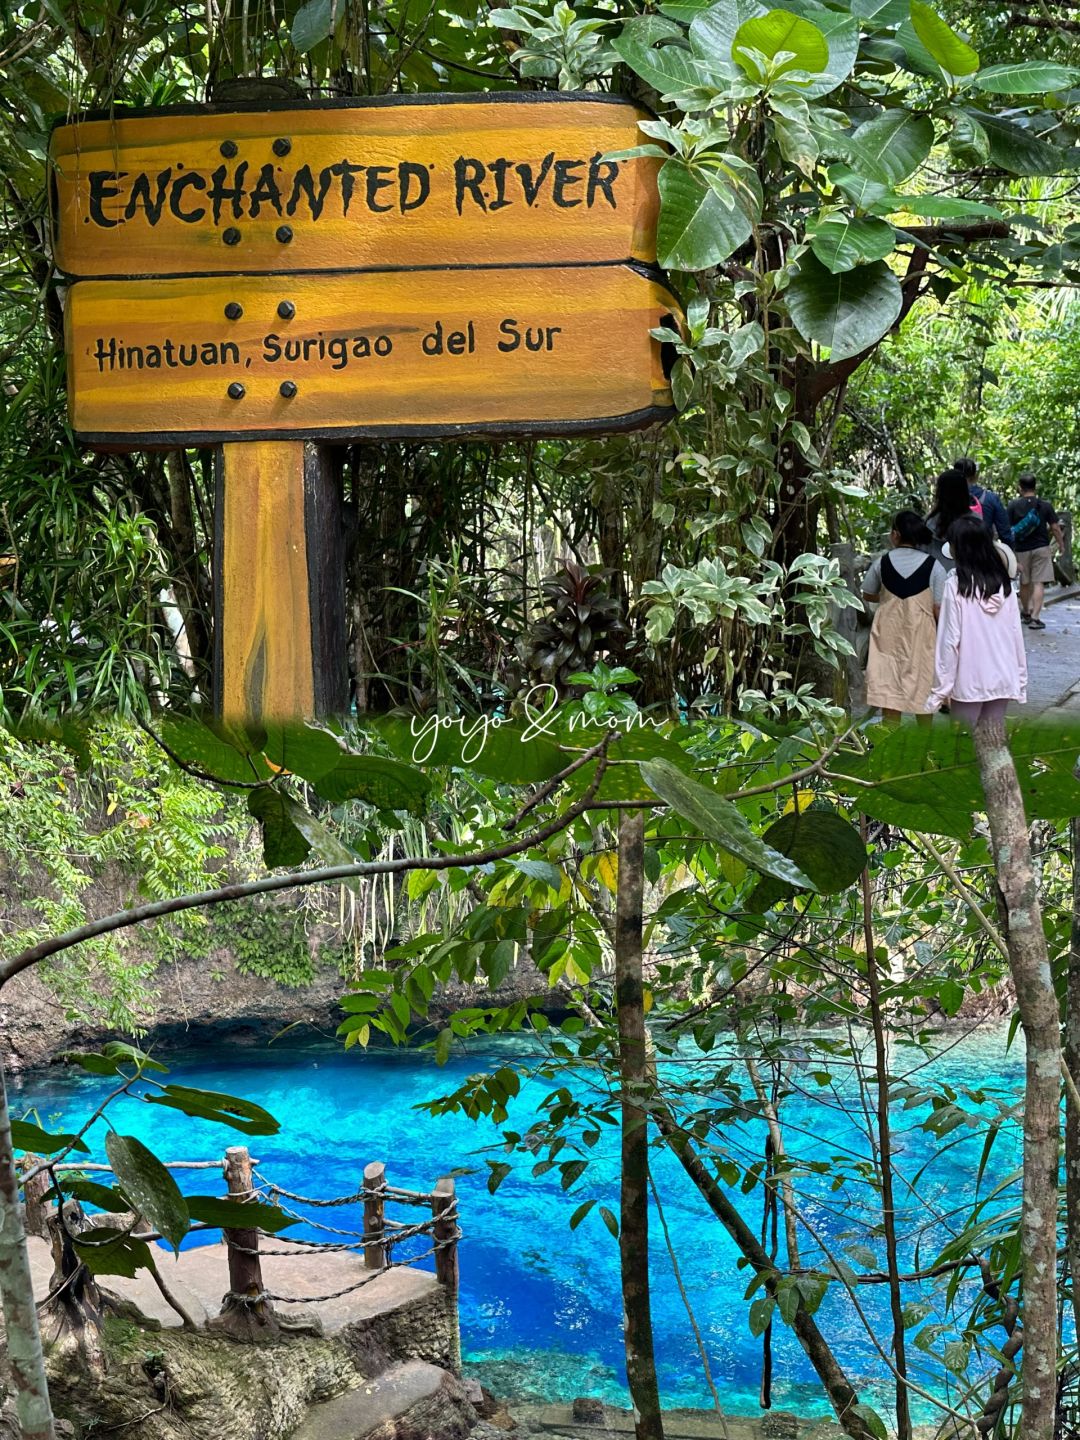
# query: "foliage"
x,y
122,822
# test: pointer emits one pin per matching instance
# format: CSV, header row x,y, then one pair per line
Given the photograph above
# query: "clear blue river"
x,y
540,1305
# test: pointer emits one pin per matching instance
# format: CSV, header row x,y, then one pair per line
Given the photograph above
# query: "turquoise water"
x,y
540,1304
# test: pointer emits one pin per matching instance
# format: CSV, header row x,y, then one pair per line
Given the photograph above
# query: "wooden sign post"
x,y
276,282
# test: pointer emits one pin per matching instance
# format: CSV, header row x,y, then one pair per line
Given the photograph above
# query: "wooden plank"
x,y
402,180
495,351
279,626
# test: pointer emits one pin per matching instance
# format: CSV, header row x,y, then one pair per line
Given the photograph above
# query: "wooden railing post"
x,y
445,1231
374,1215
246,1308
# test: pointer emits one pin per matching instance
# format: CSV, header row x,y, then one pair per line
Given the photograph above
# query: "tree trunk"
x,y
1072,1063
22,1339
634,1193
838,1388
884,1142
1029,963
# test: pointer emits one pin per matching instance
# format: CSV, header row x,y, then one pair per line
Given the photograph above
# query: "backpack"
x,y
976,507
1028,522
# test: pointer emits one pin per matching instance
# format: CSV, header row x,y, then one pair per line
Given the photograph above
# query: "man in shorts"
x,y
1034,521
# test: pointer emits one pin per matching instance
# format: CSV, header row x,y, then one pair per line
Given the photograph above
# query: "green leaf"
x,y
780,32
1020,151
580,1213
669,68
312,24
227,757
542,870
761,1311
719,820
697,228
386,784
104,1197
283,843
882,12
236,1214
149,1186
866,194
841,242
873,1420
1027,77
842,37
222,1109
969,143
943,207
823,844
953,54
29,1137
112,1059
610,1220
890,147
105,1251
712,33
512,752
848,313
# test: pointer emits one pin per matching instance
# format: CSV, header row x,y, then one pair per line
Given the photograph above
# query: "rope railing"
x,y
378,1240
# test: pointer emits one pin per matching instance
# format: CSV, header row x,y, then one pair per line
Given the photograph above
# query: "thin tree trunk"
x,y
22,1337
780,1162
1029,963
633,1075
1072,1063
884,1126
837,1386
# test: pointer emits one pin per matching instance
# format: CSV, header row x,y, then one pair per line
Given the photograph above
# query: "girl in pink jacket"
x,y
980,663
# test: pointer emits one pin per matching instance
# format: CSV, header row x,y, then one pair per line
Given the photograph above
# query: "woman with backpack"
x,y
980,663
907,585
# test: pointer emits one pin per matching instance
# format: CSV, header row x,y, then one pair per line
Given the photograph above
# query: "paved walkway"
x,y
1054,658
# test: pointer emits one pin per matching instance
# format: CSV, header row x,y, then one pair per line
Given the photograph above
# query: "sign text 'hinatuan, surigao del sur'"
x,y
435,265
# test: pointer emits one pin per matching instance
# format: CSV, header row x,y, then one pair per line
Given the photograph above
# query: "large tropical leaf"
x,y
699,226
1027,77
780,32
842,37
149,1186
212,1105
841,242
668,68
825,846
948,49
1020,151
847,312
890,147
721,822
712,33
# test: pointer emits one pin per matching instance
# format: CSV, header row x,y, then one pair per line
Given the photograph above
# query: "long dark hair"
x,y
952,498
911,527
980,570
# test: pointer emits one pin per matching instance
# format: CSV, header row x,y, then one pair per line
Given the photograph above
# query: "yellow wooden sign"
x,y
398,181
543,351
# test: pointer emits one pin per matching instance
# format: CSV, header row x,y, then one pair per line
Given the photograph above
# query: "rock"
x,y
780,1425
587,1411
413,1401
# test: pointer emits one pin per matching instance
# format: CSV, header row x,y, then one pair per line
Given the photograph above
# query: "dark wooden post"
x,y
245,1308
374,1215
279,582
35,1215
446,1232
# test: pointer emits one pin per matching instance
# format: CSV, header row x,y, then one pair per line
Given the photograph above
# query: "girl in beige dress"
x,y
907,585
